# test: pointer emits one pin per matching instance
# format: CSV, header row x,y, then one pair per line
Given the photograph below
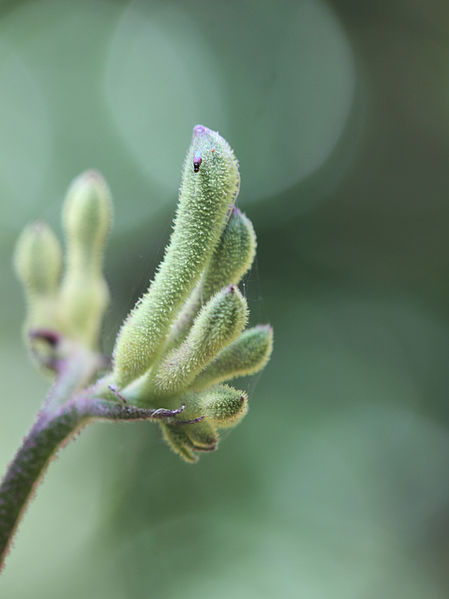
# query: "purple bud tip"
x,y
231,288
242,398
199,130
235,210
92,174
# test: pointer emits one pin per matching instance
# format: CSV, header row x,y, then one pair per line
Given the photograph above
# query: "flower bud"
x,y
209,186
177,439
87,217
223,405
220,321
38,259
202,435
37,262
246,355
231,259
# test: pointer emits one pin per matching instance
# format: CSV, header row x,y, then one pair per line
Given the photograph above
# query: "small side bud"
x,y
232,257
87,217
209,186
179,442
246,355
223,405
230,261
37,262
203,435
220,321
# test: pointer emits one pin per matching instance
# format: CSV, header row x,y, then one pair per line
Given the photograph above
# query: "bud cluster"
x,y
69,304
187,335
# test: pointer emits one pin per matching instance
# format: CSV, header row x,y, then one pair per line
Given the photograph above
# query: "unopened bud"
x,y
246,355
209,186
87,217
220,321
231,259
37,263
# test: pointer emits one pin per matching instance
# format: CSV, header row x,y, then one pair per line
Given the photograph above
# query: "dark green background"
x,y
336,484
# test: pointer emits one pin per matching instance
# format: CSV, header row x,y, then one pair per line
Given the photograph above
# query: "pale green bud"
x,y
38,259
246,355
222,406
209,186
202,435
179,442
220,321
231,259
87,217
37,262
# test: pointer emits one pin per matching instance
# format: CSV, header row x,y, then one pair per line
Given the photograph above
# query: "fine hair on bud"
x,y
223,405
209,186
246,355
230,261
178,440
219,322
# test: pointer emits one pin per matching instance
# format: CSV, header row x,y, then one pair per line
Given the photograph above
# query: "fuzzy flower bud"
x,y
220,407
87,217
220,321
209,186
246,355
231,259
37,262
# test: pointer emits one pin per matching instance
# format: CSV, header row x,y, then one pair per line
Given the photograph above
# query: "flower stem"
x,y
28,466
51,431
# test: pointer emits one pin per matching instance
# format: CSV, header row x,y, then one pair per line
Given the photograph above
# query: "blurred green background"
x,y
336,484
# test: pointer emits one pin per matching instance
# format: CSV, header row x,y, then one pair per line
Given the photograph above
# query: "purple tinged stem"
x,y
50,432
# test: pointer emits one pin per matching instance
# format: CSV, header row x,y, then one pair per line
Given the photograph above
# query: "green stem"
x,y
48,434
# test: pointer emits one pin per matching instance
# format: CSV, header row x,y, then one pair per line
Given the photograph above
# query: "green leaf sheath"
x,y
87,218
219,322
38,262
246,355
231,259
204,202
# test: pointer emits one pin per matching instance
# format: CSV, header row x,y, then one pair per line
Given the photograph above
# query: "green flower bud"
x,y
246,355
223,405
87,217
37,262
179,442
209,186
203,435
38,259
220,321
231,259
